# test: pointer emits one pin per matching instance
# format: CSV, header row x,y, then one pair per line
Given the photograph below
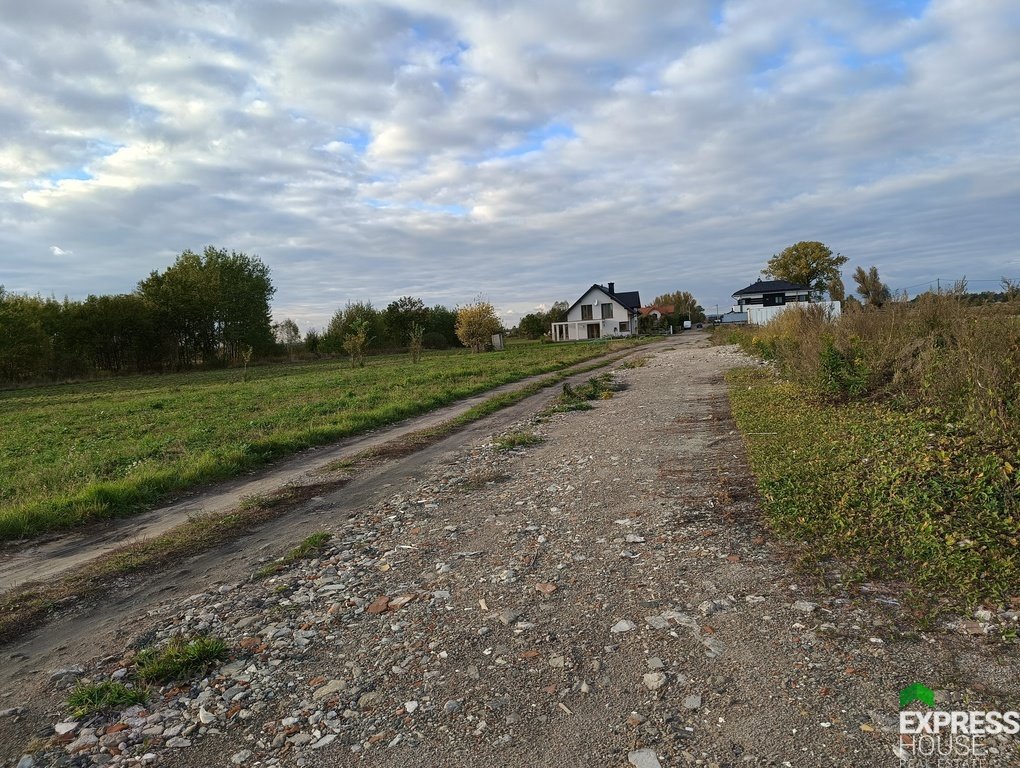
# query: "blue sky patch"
x,y
535,140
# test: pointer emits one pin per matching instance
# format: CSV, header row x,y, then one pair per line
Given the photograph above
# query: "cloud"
x,y
525,149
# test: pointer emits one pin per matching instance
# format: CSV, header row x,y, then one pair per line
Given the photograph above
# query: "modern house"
x,y
763,300
771,293
600,312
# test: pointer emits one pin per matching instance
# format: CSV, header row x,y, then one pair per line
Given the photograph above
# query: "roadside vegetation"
x,y
179,659
888,442
77,453
90,698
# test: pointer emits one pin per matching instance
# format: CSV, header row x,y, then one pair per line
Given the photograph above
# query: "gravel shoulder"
x,y
607,597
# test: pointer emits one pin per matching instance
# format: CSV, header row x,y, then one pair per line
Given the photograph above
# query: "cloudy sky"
x,y
518,150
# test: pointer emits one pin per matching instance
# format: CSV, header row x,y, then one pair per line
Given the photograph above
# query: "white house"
x,y
599,313
764,299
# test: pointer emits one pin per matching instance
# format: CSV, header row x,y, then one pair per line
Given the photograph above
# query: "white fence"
x,y
757,315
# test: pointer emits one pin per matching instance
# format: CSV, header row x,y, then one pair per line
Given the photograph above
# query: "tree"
x,y
312,340
685,307
533,325
415,342
440,328
836,289
399,316
873,291
212,306
807,263
346,321
356,341
537,324
1011,289
288,334
476,324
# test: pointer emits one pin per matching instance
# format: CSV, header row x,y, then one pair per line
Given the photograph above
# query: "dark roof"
x,y
630,299
771,286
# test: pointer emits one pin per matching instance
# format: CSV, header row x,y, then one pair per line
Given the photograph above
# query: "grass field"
x,y
875,491
72,454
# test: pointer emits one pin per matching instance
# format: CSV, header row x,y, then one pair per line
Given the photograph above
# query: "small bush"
x,y
95,698
180,659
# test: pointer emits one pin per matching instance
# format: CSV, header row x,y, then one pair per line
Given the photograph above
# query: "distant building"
x,y
765,299
600,312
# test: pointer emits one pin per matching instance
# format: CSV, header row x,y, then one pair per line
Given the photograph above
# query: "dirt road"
x,y
606,597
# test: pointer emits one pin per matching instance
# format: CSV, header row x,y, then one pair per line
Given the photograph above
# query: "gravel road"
x,y
606,597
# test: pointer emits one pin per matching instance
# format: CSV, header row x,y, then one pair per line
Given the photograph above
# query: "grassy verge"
x,y
79,453
883,493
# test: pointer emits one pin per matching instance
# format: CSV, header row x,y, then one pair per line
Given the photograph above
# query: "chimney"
x,y
612,287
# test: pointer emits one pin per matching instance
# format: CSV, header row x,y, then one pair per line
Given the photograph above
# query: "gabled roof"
x,y
629,299
662,309
771,286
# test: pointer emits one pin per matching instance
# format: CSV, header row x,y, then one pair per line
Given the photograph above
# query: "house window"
x,y
607,311
586,312
624,328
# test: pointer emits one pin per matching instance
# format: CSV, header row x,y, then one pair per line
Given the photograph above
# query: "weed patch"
x,y
637,362
517,440
89,699
179,659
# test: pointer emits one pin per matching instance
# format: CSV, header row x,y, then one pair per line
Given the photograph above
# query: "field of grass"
x,y
71,454
879,491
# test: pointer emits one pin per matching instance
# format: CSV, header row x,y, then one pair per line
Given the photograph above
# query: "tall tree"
x,y
213,305
807,263
400,316
873,291
685,307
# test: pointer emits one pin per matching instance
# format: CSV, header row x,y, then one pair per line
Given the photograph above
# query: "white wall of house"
x,y
758,315
576,326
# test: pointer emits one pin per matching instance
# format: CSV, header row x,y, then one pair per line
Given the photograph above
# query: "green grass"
x,y
517,440
579,398
73,454
179,659
883,493
310,547
95,698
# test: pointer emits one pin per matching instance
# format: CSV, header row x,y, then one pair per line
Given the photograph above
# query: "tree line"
x,y
206,310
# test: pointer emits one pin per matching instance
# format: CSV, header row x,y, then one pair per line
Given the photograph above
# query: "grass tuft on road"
x,y
310,547
883,493
517,440
87,699
179,659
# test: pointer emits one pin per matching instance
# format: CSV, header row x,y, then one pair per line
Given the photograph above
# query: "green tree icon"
x,y
917,692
